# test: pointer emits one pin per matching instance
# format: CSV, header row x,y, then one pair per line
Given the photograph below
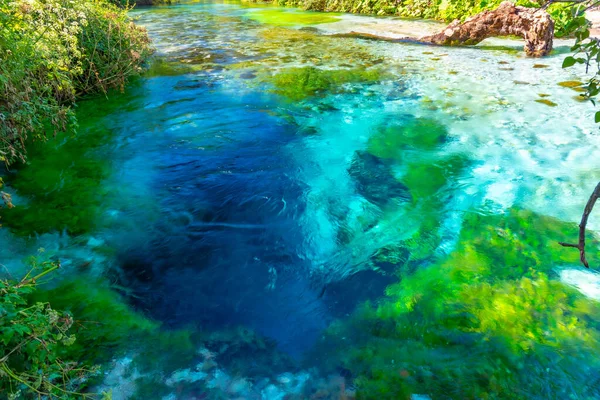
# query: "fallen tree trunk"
x,y
534,25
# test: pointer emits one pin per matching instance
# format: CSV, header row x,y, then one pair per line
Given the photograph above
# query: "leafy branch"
x,y
32,337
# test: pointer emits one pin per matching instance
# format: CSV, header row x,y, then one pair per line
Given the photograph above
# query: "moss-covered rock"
x,y
425,178
301,83
407,133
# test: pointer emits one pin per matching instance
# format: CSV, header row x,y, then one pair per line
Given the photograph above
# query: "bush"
x,y
31,336
52,51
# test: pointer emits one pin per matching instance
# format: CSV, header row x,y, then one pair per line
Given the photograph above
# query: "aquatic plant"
x,y
32,335
53,51
61,184
487,321
304,82
105,324
289,18
407,132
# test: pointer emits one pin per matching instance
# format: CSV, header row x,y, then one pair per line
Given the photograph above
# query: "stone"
x,y
375,180
534,25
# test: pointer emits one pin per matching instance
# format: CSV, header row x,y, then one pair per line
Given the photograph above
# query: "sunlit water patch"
x,y
266,174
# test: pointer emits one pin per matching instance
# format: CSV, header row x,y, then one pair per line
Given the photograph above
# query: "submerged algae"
x,y
59,188
61,183
290,18
425,178
106,326
409,132
302,83
487,321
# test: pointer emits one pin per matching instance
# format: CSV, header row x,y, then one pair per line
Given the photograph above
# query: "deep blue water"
x,y
228,221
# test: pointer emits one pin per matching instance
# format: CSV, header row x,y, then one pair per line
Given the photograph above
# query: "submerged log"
x,y
534,25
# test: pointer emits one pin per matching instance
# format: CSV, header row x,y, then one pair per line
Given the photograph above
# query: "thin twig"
x,y
584,219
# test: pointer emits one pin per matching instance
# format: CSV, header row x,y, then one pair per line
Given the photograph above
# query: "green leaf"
x,y
569,62
597,117
7,335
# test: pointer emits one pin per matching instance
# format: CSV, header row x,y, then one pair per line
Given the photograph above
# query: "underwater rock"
x,y
375,180
185,375
248,75
534,25
407,132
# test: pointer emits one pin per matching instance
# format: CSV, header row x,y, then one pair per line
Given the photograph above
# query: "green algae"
x,y
106,324
547,102
291,18
426,178
304,82
416,133
61,182
486,321
60,186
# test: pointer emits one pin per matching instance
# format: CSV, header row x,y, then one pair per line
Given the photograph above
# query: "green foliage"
x,y
107,327
127,4
586,52
301,83
53,50
32,336
487,322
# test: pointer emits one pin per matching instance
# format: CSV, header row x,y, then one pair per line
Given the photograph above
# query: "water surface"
x,y
265,174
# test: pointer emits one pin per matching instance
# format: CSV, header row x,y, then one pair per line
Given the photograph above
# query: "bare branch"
x,y
584,219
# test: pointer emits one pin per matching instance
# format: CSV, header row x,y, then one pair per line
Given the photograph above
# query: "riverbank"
x,y
53,53
439,10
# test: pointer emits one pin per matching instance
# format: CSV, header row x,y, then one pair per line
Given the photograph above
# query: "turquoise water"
x,y
267,178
